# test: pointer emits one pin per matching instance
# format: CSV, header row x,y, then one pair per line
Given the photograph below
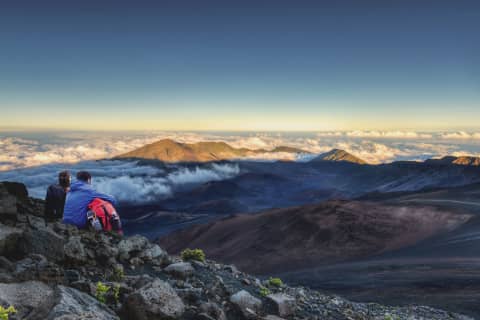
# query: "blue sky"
x,y
245,65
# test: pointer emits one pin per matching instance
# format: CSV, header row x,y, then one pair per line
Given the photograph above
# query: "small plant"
x,y
193,254
101,292
118,274
6,312
275,282
264,291
116,293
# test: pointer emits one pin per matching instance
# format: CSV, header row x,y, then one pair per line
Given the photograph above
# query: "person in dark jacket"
x,y
55,198
81,194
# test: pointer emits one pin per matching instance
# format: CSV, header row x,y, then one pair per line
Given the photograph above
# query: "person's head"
x,y
64,179
84,176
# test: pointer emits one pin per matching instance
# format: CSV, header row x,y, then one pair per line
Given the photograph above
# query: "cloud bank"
x,y
34,149
126,180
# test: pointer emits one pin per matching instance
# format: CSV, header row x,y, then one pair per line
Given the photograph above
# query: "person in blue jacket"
x,y
79,197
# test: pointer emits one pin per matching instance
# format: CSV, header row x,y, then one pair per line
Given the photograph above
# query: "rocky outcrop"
x,y
73,304
155,301
58,272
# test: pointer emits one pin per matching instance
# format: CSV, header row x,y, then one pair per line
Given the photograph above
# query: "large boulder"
x,y
8,205
181,270
75,251
16,189
43,241
9,237
31,299
37,267
283,305
132,246
154,254
155,301
75,305
247,304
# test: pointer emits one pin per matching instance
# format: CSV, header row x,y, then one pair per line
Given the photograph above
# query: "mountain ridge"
x,y
338,155
168,150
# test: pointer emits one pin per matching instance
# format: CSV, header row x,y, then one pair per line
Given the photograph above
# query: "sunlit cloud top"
x,y
26,149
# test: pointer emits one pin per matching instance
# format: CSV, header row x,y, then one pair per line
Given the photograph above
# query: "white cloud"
x,y
125,180
215,172
373,146
460,135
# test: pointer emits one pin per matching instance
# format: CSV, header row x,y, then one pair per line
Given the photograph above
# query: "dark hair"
x,y
64,179
83,176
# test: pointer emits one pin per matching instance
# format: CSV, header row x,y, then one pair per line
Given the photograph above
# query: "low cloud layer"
x,y
33,149
125,180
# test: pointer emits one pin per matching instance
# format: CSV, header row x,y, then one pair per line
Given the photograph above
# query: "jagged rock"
x,y
76,305
37,267
154,254
283,304
8,205
74,250
155,301
247,304
130,246
9,237
16,189
213,310
272,317
32,299
181,270
6,264
43,241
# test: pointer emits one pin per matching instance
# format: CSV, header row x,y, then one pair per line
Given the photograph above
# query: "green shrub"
x,y
275,282
101,292
264,291
193,254
116,293
118,274
6,312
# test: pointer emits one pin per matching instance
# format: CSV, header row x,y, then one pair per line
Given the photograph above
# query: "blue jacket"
x,y
77,201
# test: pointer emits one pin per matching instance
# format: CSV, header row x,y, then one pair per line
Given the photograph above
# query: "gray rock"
x,y
272,317
9,237
131,246
155,255
155,301
247,304
181,270
213,310
74,250
8,205
32,299
43,241
283,304
76,305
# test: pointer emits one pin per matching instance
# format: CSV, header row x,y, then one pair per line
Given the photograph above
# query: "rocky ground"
x,y
53,271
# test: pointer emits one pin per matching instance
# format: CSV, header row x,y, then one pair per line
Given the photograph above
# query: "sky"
x,y
278,65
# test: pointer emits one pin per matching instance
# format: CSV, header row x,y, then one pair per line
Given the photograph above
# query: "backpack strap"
x,y
107,225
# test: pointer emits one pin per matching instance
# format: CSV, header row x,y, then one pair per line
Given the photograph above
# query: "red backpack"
x,y
105,213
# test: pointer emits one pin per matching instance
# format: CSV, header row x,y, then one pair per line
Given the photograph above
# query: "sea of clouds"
x,y
26,149
35,158
126,180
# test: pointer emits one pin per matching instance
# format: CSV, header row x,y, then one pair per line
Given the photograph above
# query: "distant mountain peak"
x,y
168,150
338,155
460,160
